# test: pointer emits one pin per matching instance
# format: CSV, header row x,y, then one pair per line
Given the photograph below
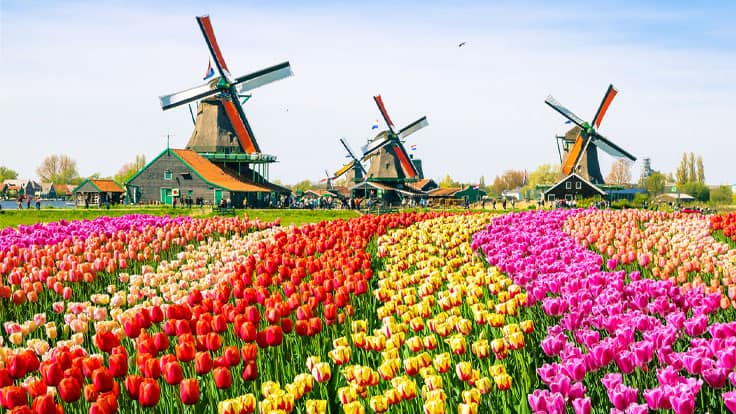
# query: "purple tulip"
x,y
729,398
581,405
715,377
683,403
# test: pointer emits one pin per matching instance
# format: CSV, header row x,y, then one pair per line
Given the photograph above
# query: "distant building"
x,y
183,175
98,193
573,187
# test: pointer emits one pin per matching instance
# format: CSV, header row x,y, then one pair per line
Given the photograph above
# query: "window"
x,y
568,185
550,197
578,185
186,176
167,175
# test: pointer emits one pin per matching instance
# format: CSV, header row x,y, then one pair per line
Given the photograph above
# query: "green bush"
x,y
621,204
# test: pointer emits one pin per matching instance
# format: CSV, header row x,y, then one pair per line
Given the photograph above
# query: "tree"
x,y
701,169
655,183
302,186
692,176
620,172
701,192
57,169
448,182
128,170
681,172
508,180
7,174
721,195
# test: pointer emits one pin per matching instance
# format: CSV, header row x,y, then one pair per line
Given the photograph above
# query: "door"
x,y
165,196
218,196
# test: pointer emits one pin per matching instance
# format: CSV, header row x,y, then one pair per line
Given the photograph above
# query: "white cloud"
x,y
85,82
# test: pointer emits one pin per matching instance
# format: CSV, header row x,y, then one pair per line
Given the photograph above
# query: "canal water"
x,y
13,205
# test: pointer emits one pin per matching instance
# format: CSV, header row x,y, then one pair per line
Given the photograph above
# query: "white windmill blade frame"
x,y
189,95
552,102
374,146
263,77
413,127
610,148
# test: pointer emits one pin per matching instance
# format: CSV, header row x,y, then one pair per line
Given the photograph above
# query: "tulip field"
x,y
560,311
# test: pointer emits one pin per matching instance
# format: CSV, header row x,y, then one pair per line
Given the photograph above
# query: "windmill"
x,y
356,165
222,132
389,159
582,141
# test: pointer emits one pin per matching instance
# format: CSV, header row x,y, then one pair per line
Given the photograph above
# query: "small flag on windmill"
x,y
210,71
375,125
475,187
568,122
413,147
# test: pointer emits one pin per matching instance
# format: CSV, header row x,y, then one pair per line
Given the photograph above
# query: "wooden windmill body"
x,y
580,144
222,133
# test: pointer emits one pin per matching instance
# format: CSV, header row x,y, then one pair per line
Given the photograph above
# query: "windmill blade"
x,y
413,127
609,147
209,37
263,77
406,164
327,174
189,95
607,99
384,113
347,148
345,168
374,146
237,119
564,111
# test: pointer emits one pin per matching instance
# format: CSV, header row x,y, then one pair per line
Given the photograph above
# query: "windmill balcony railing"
x,y
258,158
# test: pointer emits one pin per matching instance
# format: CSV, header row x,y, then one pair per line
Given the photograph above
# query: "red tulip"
x,y
330,311
132,328
202,327
51,373
44,404
89,364
102,380
170,327
152,368
90,393
173,373
185,351
5,378
74,372
247,332
202,363
183,327
149,392
13,396
157,315
17,366
132,385
287,325
69,389
106,341
252,315
232,356
315,326
161,341
118,365
223,377
249,352
301,327
189,391
219,324
250,371
36,388
214,342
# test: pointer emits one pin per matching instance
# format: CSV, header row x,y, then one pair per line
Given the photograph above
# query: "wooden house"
x,y
98,193
184,175
425,184
573,187
471,193
63,191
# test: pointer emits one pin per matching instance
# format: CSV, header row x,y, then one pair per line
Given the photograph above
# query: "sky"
x,y
82,78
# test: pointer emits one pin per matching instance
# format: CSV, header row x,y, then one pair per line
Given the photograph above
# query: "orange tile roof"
x,y
421,183
107,186
444,192
64,189
214,174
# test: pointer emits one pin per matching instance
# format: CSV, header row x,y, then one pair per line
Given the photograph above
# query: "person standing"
x,y
38,203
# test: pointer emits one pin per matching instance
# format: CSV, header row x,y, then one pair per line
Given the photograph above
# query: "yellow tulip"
x,y
379,404
434,407
316,406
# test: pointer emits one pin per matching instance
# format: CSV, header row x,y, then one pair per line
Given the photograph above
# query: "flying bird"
x,y
461,44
